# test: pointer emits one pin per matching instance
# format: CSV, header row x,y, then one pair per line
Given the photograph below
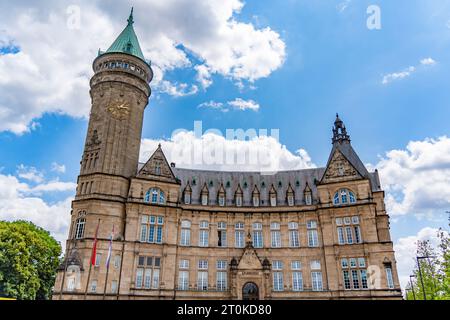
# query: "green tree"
x,y
29,257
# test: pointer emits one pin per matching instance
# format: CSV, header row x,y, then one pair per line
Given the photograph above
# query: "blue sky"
x,y
331,62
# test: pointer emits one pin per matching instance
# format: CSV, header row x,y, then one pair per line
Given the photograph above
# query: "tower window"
x,y
79,229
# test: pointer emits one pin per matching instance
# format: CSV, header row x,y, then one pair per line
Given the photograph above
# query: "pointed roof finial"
x,y
130,19
339,131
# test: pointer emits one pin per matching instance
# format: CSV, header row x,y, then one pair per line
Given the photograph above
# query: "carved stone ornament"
x,y
339,168
93,141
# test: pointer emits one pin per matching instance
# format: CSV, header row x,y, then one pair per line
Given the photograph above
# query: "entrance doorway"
x,y
250,291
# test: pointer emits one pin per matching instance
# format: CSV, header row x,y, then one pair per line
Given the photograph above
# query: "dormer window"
x,y
308,199
273,200
239,201
187,198
221,200
290,199
204,199
256,201
344,196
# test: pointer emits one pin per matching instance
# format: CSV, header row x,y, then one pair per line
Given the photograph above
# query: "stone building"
x,y
319,233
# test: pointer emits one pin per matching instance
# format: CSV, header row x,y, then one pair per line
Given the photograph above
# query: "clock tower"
x,y
119,93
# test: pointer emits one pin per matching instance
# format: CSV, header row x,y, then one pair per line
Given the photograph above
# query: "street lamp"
x,y
420,273
412,285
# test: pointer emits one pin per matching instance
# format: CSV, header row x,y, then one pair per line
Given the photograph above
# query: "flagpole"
x,y
67,254
108,262
90,261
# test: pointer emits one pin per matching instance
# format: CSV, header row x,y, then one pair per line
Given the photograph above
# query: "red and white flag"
x,y
94,248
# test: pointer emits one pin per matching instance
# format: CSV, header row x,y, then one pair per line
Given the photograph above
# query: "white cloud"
x,y
52,70
210,151
17,201
417,180
427,61
241,104
405,252
398,75
343,5
30,173
60,168
390,77
236,104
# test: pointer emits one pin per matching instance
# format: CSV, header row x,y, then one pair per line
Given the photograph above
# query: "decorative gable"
x,y
250,260
157,168
339,169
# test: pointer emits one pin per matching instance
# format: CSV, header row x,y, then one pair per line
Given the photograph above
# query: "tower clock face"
x,y
119,109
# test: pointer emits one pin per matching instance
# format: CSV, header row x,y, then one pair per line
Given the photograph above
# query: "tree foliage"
x,y
432,280
29,257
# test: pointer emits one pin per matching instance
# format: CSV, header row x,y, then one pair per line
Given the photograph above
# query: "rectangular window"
x,y
363,274
222,238
257,239
148,278
143,232
278,281
202,280
348,232
98,258
344,263
221,264
316,281
293,239
114,286
139,277
313,238
277,265
346,279
221,281
183,280
297,281
184,264
159,234
94,286
116,261
315,265
187,198
296,265
389,278
239,239
203,239
203,264
355,279
341,237
151,234
185,239
361,262
276,239
155,279
357,234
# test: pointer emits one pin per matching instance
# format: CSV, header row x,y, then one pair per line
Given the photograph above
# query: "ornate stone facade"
x,y
319,233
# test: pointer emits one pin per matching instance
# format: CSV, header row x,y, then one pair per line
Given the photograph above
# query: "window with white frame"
x,y
297,276
290,200
389,276
152,229
257,235
316,281
203,237
204,199
313,237
79,228
275,235
184,264
98,258
185,236
354,273
147,272
187,198
277,275
222,234
239,200
308,199
348,230
155,195
294,241
256,200
273,200
239,236
221,200
344,196
183,280
221,275
202,275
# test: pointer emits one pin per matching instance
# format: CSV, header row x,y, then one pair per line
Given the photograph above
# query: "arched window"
x,y
344,196
155,195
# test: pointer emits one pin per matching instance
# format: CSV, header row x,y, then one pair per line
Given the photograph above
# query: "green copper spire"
x,y
127,41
